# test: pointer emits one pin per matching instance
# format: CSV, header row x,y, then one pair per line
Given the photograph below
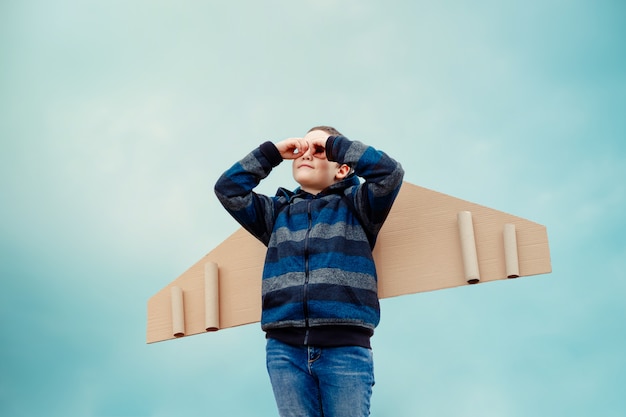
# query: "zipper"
x,y
305,296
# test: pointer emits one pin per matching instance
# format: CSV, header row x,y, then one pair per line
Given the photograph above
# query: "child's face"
x,y
311,169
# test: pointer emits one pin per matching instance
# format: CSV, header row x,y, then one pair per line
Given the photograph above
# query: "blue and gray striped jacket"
x,y
319,268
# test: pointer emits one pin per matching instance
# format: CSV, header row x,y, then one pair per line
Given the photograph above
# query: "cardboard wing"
x,y
430,241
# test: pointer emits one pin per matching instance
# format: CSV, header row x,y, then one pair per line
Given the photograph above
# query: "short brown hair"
x,y
328,129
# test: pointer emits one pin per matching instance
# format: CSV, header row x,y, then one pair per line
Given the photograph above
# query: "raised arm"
x,y
383,177
234,189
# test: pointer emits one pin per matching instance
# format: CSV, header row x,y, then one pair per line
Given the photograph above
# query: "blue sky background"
x,y
117,117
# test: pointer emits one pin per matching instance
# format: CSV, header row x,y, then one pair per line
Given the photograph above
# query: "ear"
x,y
342,172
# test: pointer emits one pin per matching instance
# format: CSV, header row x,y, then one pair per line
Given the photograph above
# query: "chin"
x,y
303,179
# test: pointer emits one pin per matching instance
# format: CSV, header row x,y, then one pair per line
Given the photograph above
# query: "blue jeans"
x,y
310,381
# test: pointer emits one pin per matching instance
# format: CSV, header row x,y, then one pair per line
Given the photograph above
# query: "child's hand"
x,y
318,146
292,148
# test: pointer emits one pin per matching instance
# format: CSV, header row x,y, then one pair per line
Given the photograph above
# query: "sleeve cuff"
x,y
330,155
269,150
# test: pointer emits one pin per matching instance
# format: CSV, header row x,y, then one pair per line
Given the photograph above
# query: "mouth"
x,y
305,166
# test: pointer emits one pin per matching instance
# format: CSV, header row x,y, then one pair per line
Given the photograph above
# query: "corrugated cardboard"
x,y
418,249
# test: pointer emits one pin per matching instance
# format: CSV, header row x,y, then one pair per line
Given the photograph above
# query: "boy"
x,y
319,288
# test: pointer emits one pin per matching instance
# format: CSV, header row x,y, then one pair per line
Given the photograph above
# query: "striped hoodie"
x,y
319,270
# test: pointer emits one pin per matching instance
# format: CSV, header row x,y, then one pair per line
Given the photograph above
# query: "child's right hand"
x,y
292,148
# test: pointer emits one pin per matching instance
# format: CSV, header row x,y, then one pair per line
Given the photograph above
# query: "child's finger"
x,y
319,141
302,146
288,148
